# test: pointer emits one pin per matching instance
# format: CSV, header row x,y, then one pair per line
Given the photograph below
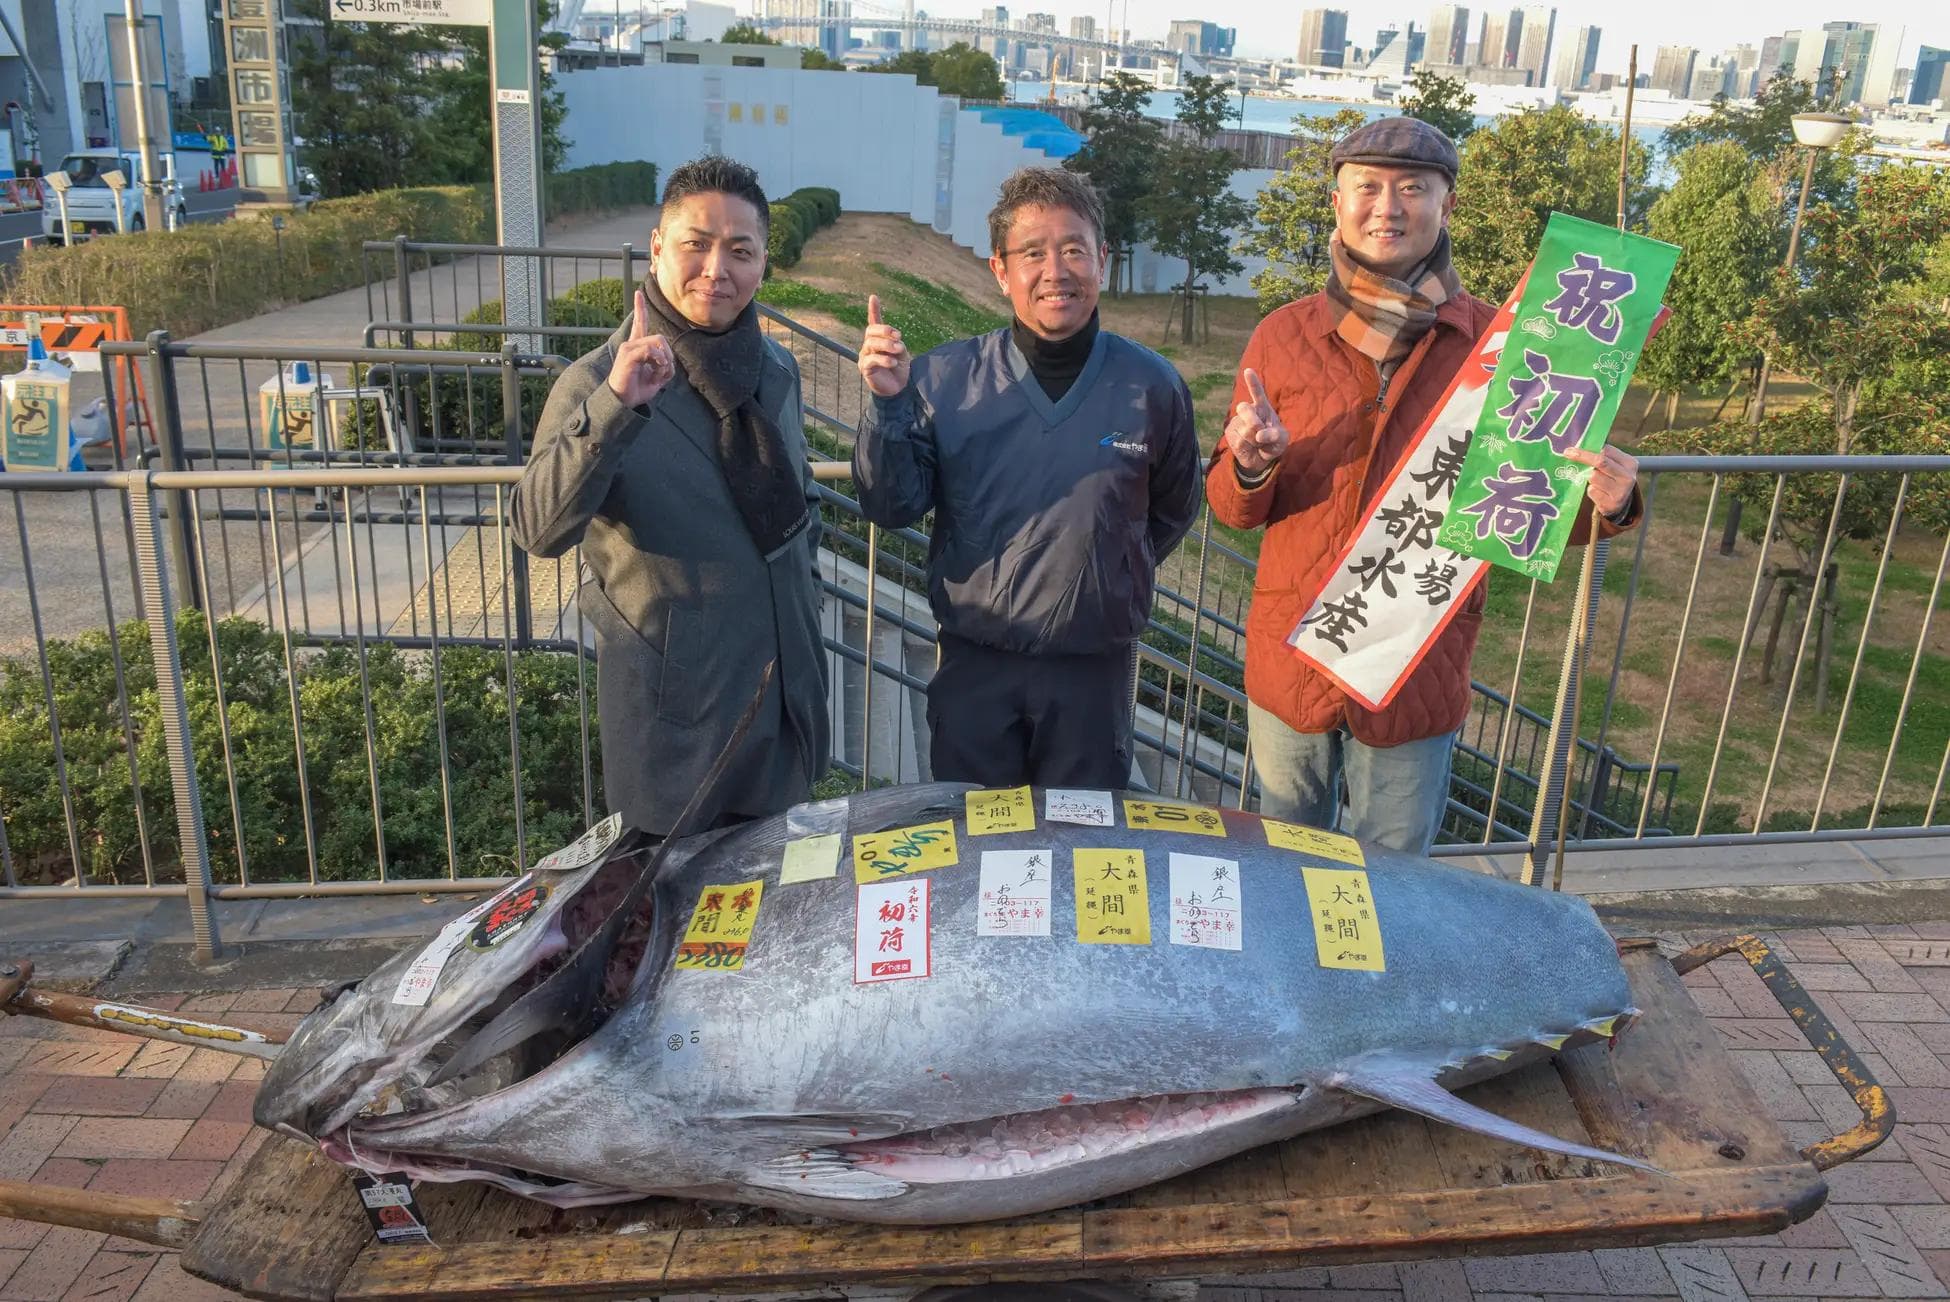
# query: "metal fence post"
x,y
511,423
168,421
403,274
161,605
1564,724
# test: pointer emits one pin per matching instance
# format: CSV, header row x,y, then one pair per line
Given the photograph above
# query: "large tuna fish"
x,y
864,1051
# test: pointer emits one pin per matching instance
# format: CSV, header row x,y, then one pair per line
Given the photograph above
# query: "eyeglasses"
x,y
1035,255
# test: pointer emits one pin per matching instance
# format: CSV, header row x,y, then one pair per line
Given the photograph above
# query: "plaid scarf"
x,y
1381,316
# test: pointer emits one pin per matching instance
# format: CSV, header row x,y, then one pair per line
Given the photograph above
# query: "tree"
x,y
746,34
1762,129
360,99
1721,211
461,115
1295,212
1192,211
1120,156
1519,170
961,69
1445,103
814,59
1863,308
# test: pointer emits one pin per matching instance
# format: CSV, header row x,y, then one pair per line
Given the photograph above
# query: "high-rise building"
x,y
1772,51
1672,70
1577,60
809,31
1746,64
1395,56
1534,39
1710,78
1196,36
1323,37
1448,33
1926,83
1084,28
1497,41
1810,54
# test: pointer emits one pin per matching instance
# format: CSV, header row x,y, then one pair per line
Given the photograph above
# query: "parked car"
x,y
91,202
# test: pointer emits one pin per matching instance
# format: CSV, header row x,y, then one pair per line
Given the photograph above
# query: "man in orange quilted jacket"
x,y
1330,394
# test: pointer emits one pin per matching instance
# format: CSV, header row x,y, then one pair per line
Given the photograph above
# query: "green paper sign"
x,y
1583,320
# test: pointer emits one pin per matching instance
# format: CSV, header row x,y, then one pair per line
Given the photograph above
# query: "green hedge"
x,y
210,274
601,187
256,692
795,218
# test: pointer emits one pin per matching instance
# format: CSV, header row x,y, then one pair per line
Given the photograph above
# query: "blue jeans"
x,y
1396,795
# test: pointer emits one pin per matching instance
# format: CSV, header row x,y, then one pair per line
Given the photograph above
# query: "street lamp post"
x,y
59,181
1814,132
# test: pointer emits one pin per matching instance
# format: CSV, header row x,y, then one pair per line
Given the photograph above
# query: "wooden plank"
x,y
1384,1153
1668,1091
1533,1096
1241,1237
289,1228
1622,1211
162,1221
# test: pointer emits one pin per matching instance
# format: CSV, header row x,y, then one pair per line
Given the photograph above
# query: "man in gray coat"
x,y
675,455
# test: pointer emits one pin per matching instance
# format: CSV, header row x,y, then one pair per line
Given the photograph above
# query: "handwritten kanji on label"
x,y
1312,840
879,855
721,927
1347,927
891,936
1206,909
1086,808
1113,898
1015,893
990,812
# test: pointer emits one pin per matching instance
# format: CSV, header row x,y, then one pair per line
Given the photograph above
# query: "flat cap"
x,y
1397,142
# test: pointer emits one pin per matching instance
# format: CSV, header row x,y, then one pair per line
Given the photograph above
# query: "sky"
x,y
1271,27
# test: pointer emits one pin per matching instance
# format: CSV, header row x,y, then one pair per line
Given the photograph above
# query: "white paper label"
x,y
1015,897
386,1195
1205,902
585,849
1090,808
416,986
890,936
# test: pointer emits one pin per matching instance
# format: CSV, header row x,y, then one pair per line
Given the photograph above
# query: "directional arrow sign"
x,y
464,13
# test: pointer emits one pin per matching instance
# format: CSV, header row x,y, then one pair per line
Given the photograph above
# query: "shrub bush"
x,y
405,744
211,274
795,218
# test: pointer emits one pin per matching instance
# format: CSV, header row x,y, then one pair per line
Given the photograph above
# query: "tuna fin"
x,y
824,1173
1405,1089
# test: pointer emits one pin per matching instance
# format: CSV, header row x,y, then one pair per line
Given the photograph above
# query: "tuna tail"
x,y
568,1000
1402,1086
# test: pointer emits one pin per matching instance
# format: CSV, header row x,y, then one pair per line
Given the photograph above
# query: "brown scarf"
x,y
1383,317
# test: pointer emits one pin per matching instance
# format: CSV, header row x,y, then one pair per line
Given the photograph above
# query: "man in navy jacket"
x,y
1062,466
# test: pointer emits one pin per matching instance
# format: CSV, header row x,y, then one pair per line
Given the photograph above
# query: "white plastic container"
x,y
34,432
287,410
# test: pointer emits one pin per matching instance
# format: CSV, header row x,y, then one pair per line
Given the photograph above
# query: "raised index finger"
x,y
873,310
1258,390
640,326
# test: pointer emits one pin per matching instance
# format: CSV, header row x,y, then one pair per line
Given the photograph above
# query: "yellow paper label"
x,y
880,855
810,858
1311,840
1167,816
990,812
721,927
1113,901
1347,933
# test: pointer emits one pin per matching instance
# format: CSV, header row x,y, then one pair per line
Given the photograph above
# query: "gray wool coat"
x,y
686,611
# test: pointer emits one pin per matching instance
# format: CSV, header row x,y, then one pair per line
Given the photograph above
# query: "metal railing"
x,y
349,679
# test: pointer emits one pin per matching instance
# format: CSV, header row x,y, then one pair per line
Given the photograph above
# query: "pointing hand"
x,y
1255,433
884,363
644,363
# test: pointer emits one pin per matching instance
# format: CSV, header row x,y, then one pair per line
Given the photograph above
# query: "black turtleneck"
x,y
1056,363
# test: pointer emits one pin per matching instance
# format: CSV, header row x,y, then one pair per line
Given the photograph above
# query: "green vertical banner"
x,y
1584,317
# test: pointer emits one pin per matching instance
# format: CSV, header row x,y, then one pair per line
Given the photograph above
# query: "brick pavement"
x,y
88,1109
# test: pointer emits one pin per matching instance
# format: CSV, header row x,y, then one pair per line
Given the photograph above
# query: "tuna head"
x,y
568,932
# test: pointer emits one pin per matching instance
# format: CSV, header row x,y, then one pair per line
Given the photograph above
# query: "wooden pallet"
x,y
1389,1187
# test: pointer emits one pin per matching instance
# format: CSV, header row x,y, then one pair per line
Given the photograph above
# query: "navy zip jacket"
x,y
1049,518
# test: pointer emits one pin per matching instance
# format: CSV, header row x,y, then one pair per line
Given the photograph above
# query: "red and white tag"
x,y
891,940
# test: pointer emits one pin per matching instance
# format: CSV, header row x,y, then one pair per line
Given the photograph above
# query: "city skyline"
x,y
1269,34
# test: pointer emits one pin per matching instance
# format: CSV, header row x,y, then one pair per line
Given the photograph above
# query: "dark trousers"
x,y
1002,719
